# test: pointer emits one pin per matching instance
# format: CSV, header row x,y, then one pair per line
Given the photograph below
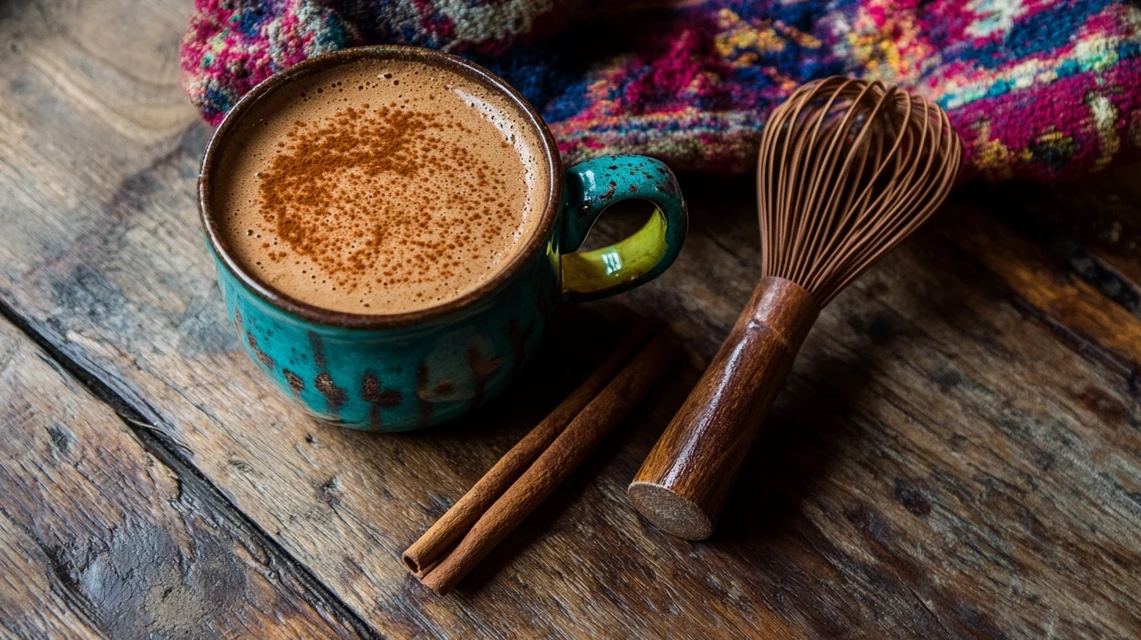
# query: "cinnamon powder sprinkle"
x,y
384,192
356,194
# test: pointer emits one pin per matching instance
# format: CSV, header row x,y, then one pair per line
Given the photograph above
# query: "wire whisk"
x,y
846,170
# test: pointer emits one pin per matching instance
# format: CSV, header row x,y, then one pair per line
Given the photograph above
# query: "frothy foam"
x,y
380,187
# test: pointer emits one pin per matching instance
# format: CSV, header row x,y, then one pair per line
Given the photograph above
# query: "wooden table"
x,y
957,452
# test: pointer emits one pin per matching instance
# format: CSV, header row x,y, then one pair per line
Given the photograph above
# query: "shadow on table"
x,y
808,432
797,447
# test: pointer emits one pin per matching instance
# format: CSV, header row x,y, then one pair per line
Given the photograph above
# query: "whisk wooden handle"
x,y
684,481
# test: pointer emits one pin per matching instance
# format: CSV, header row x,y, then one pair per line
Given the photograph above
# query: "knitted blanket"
x,y
1037,89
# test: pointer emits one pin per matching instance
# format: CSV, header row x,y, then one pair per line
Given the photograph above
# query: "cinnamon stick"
x,y
553,466
448,530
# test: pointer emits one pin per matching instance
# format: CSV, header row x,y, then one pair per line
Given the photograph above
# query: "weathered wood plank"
x,y
98,538
1092,227
952,456
30,607
1065,297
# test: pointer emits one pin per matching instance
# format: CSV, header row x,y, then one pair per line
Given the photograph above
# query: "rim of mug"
x,y
342,319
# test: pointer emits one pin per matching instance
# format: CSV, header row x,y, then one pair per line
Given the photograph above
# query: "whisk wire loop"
x,y
847,169
845,174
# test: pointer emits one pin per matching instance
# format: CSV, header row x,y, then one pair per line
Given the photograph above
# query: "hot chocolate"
x,y
380,187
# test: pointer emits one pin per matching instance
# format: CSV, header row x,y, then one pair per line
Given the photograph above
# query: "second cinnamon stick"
x,y
449,529
556,463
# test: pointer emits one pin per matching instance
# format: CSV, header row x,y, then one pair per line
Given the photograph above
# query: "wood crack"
x,y
929,610
193,482
59,576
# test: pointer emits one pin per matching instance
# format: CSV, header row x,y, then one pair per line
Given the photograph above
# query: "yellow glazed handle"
x,y
596,184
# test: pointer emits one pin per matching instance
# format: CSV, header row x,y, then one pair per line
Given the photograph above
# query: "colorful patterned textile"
x,y
1038,89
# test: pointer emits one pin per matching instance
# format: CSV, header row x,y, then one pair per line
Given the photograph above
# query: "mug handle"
x,y
594,185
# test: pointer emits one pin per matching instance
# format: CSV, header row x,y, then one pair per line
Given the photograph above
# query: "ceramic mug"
x,y
410,370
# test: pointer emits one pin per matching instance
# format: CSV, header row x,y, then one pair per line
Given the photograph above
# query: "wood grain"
x,y
98,538
1054,287
1093,226
956,452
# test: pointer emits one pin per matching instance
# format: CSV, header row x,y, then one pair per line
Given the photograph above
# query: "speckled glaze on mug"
x,y
411,370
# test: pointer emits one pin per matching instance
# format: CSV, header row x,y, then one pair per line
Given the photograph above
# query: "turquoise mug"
x,y
411,370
